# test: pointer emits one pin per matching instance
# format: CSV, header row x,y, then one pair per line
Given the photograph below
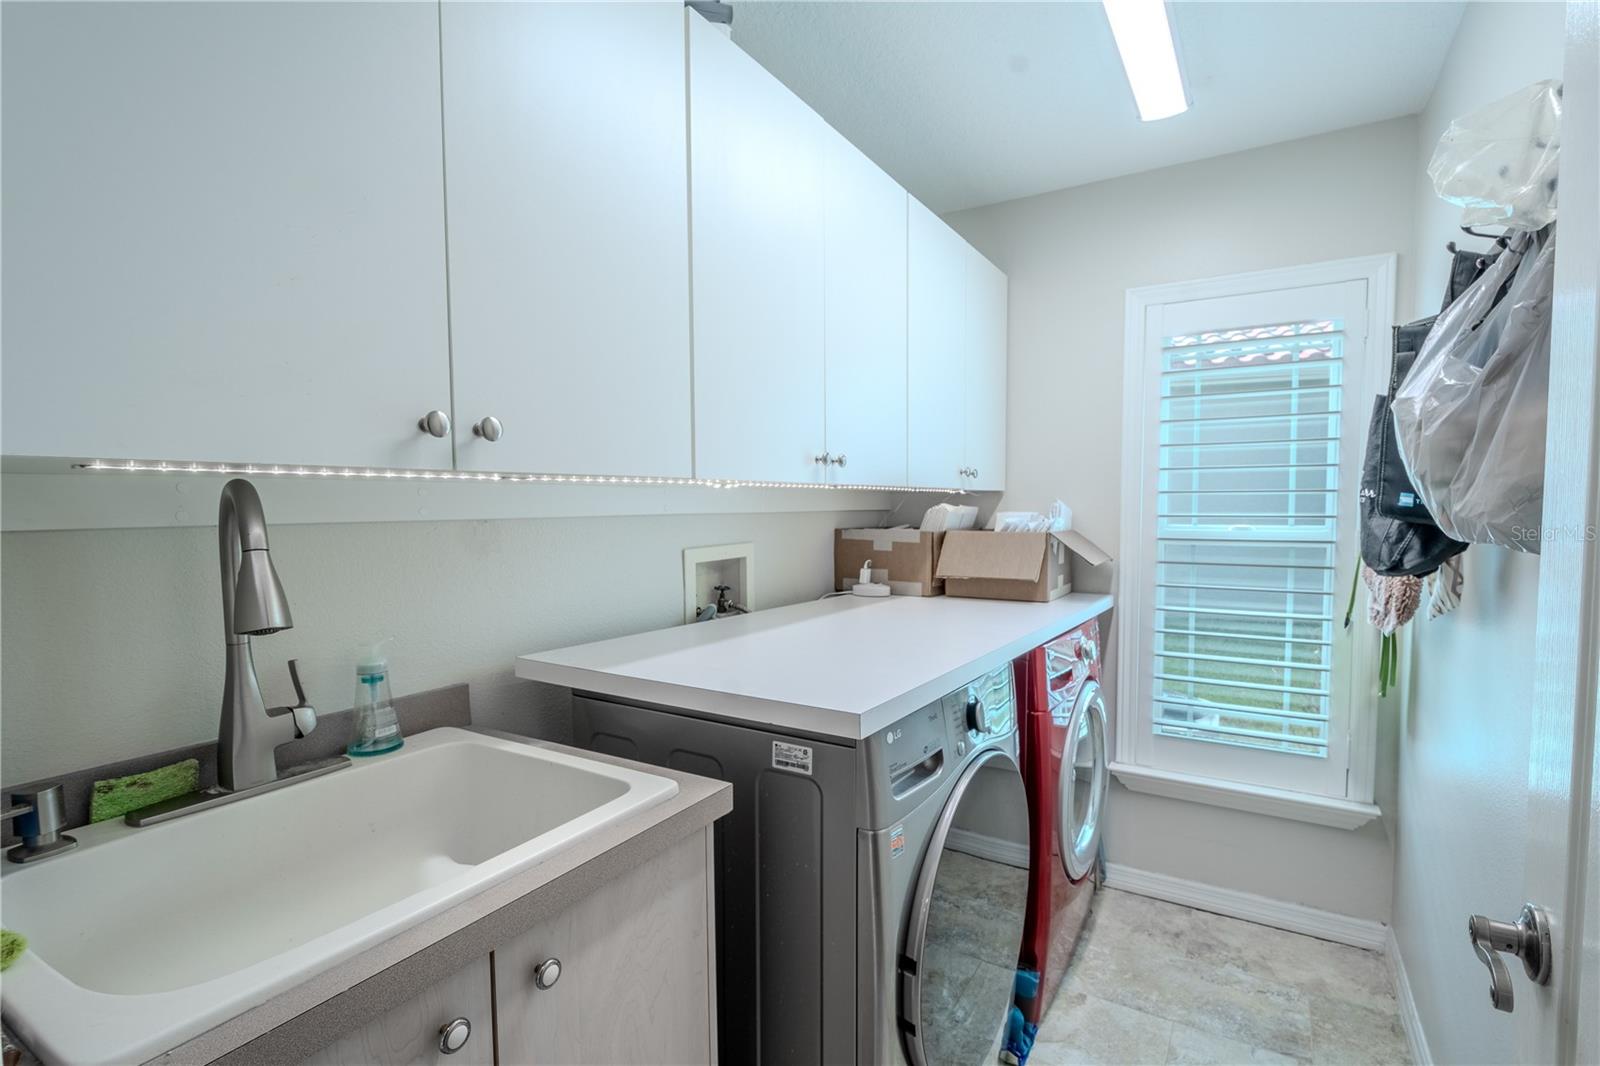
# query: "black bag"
x,y
1398,535
1393,546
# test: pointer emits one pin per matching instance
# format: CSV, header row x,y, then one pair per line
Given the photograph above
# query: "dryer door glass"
x,y
965,926
1084,780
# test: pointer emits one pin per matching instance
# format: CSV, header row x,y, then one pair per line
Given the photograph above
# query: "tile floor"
x,y
1155,982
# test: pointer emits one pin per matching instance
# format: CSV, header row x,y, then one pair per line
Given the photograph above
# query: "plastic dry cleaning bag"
x,y
1470,416
1499,163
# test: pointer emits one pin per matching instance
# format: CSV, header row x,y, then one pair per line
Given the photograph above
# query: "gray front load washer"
x,y
869,895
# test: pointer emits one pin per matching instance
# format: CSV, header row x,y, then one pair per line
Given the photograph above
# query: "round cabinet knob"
x,y
488,428
824,458
547,973
837,460
435,424
453,1035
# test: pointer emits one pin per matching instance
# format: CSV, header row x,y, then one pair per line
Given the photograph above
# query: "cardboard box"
x,y
1036,567
910,557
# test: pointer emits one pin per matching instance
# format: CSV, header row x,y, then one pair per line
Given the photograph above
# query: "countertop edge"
x,y
296,1023
835,722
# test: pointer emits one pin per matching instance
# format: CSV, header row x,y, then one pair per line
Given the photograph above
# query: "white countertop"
x,y
841,667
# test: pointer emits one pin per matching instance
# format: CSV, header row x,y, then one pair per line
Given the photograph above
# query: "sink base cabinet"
x,y
636,972
634,987
409,1035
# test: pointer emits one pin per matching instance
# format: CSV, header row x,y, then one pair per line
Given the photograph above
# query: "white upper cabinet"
x,y
865,317
757,193
956,321
223,232
937,341
567,168
985,373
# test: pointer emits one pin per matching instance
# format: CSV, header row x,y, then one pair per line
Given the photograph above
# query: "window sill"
x,y
1274,802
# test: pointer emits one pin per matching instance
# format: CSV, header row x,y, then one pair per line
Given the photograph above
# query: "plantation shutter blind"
x,y
1247,510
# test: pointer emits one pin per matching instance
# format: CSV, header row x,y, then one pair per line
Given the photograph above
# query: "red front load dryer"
x,y
1063,757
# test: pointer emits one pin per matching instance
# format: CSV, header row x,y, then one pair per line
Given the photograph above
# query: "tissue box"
x,y
1036,567
910,556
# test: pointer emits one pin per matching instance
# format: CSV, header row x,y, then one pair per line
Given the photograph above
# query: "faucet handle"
x,y
299,688
305,715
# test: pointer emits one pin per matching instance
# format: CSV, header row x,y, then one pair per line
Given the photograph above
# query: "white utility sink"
x,y
143,938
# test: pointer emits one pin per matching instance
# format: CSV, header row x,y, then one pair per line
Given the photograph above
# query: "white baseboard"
x,y
1410,1020
1326,925
986,847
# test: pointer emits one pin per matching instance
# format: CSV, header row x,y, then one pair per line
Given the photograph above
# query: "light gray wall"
x,y
112,643
1071,256
1463,753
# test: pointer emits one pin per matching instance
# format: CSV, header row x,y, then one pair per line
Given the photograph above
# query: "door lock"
x,y
1528,938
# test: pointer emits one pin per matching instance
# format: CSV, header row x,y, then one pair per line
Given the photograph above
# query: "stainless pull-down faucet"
x,y
253,605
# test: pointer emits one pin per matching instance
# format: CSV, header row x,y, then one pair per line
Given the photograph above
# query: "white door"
x,y
1557,1022
569,246
985,373
864,271
232,217
757,226
936,350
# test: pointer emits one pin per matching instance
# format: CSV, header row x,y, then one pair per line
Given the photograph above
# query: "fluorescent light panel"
x,y
121,466
1144,40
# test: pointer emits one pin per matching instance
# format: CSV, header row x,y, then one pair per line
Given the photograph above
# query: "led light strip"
x,y
103,466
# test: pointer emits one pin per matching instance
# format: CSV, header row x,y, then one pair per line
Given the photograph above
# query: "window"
x,y
1246,407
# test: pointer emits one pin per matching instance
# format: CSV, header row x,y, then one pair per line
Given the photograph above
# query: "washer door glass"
x,y
1084,780
965,927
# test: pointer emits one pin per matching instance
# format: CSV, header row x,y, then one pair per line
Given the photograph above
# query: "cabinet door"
x,y
936,352
864,272
758,250
569,236
224,227
409,1034
985,373
635,972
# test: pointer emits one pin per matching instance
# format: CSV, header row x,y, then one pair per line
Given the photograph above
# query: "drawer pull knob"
x,y
453,1035
547,973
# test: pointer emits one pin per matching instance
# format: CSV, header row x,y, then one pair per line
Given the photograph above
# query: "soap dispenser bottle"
x,y
377,727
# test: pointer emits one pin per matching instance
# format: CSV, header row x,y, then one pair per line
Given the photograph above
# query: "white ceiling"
x,y
973,103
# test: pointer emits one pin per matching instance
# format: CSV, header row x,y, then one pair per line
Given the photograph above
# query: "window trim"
x,y
1379,272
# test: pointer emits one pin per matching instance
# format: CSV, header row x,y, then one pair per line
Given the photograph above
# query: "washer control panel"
x,y
902,761
984,709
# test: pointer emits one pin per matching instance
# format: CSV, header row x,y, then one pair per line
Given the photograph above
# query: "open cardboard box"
x,y
905,558
1036,567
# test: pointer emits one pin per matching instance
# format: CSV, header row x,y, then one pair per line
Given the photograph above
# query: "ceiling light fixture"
x,y
1149,56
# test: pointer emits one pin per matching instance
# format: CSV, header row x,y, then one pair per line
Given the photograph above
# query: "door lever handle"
x,y
1528,938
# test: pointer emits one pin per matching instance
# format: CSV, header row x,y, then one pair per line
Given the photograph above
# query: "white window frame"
x,y
1135,641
